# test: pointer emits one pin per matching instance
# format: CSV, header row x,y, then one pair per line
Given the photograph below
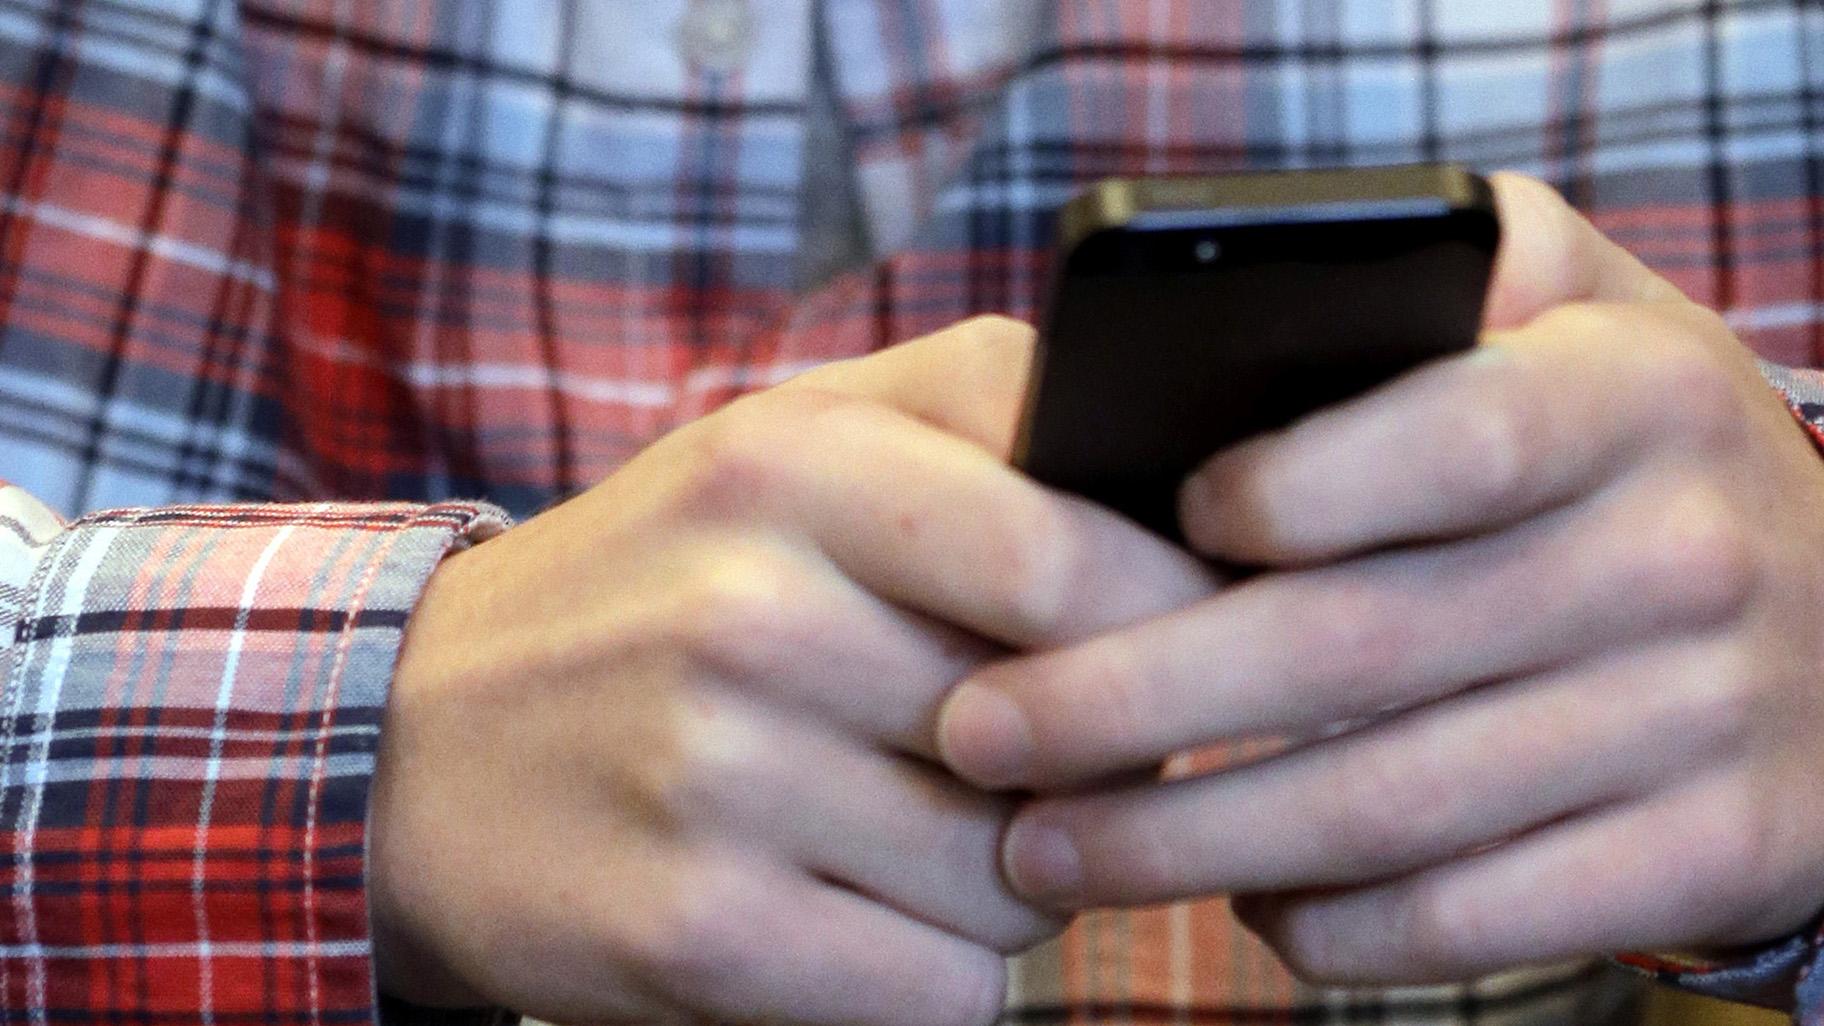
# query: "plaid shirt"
x,y
356,257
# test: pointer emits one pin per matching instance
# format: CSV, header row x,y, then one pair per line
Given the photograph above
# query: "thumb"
x,y
968,380
1551,255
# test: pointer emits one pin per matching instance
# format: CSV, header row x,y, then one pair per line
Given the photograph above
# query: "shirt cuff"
x,y
192,705
1787,974
1803,391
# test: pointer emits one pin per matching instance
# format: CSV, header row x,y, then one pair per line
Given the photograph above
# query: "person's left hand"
x,y
1547,617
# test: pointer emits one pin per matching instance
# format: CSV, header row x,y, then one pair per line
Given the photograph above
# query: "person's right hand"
x,y
668,749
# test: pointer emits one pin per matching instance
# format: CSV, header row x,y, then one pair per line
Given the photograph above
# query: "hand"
x,y
667,750
1543,621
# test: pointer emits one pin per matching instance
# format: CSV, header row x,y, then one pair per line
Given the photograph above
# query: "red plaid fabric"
x,y
192,706
396,251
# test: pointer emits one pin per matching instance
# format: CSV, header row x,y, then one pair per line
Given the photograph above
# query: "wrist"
x,y
406,964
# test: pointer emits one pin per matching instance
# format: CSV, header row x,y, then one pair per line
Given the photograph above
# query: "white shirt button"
x,y
716,35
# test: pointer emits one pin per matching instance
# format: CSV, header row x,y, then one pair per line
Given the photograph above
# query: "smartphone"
x,y
1190,313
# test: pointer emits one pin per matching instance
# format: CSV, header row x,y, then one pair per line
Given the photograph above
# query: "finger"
x,y
933,523
779,946
876,810
1531,420
1293,652
1551,255
1668,874
1385,799
968,380
955,883
751,770
787,627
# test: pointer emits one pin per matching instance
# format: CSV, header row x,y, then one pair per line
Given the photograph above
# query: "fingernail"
x,y
1042,863
983,735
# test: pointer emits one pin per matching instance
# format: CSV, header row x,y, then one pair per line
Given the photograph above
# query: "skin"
x,y
667,752
1540,626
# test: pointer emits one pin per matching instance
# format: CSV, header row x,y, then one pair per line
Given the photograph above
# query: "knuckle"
x,y
735,465
1594,323
744,616
751,456
1701,559
1723,704
1034,563
832,415
693,767
1437,932
1704,323
1498,447
1387,807
1698,382
1152,868
1117,703
694,932
1357,626
1756,852
1733,860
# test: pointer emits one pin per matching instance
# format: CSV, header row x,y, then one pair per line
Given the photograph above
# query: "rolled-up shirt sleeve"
x,y
192,705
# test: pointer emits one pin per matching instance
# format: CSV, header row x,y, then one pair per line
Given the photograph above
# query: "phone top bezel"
x,y
1267,198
